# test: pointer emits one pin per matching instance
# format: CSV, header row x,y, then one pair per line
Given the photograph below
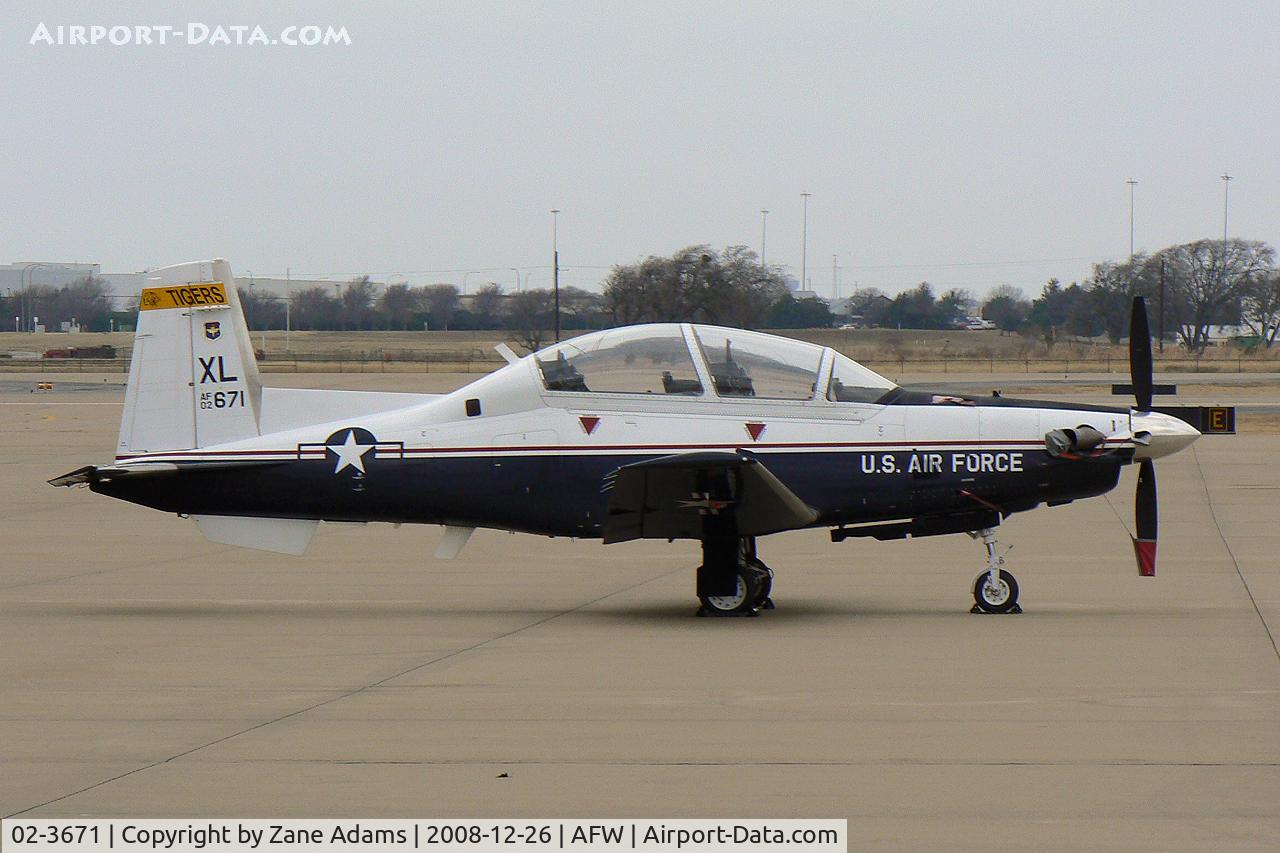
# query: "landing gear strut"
x,y
995,590
732,580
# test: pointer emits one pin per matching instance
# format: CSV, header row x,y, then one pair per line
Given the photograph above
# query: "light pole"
x,y
251,297
804,245
286,322
288,299
29,298
555,261
764,227
1226,187
1132,183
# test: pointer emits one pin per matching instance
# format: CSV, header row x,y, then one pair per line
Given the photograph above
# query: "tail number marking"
x,y
221,399
207,365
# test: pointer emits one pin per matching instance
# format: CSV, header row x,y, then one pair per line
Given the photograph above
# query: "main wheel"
x,y
764,583
1002,598
744,598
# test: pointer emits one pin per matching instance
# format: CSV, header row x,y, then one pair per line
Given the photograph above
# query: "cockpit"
x,y
695,360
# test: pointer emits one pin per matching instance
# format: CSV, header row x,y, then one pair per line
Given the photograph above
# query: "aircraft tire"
x,y
1004,600
764,584
743,601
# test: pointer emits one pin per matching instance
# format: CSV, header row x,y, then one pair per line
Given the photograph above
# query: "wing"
x,y
677,497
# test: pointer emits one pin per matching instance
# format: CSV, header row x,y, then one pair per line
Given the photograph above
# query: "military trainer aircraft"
x,y
663,431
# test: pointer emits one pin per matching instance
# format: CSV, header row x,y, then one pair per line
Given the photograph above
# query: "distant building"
x,y
125,285
18,275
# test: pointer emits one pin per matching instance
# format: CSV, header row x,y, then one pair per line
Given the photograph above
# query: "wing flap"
x,y
678,496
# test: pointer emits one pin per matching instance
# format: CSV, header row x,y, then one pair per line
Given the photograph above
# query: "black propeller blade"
x,y
1145,511
1140,354
1146,515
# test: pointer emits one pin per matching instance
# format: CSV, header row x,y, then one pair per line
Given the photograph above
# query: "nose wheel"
x,y
998,597
995,590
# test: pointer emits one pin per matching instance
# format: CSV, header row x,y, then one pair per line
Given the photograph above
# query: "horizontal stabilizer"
x,y
281,535
98,473
102,473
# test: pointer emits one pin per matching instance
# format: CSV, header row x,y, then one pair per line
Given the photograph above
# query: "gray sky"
x,y
967,144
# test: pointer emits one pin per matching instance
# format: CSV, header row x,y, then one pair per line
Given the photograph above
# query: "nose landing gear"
x,y
995,590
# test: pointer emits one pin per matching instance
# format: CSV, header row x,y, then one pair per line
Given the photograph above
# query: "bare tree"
x,y
870,304
529,317
316,308
398,304
578,307
261,310
1006,306
357,302
1260,309
487,304
695,284
441,302
1208,279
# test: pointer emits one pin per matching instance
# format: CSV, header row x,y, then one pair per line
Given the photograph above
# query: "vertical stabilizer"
x,y
193,378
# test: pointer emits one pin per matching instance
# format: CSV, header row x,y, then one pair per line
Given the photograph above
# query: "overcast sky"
x,y
967,144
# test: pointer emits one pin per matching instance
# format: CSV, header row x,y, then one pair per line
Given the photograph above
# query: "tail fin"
x,y
193,379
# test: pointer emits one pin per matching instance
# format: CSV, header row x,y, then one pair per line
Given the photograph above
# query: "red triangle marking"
x,y
589,423
755,430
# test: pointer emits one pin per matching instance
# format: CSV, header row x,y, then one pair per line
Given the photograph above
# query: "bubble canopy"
x,y
683,359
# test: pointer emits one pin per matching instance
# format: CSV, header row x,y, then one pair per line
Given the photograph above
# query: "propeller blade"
x,y
1146,516
1140,354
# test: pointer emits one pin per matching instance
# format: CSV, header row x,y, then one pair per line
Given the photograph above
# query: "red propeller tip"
x,y
1145,551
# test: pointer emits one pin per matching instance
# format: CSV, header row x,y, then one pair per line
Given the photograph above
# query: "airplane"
x,y
656,431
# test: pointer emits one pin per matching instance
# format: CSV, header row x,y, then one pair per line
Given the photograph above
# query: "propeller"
x,y
1146,515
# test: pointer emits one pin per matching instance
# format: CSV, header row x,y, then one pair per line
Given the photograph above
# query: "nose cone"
x,y
1159,434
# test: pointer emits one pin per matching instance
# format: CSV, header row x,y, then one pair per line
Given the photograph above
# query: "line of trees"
x,y
697,283
1206,283
86,301
359,305
1195,286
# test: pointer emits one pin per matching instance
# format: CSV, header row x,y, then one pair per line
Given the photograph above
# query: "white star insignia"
x,y
350,453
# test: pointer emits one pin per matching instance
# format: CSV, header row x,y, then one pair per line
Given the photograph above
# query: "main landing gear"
x,y
732,581
995,590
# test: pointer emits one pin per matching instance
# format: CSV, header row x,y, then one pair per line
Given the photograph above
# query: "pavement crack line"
x,y
346,694
1213,513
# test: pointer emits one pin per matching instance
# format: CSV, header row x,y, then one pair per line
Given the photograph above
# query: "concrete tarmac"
x,y
147,672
